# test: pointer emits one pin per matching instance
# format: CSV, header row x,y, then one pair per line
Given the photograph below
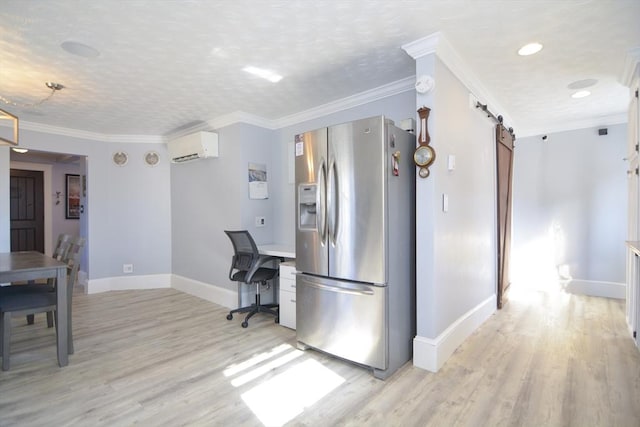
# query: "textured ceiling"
x,y
166,65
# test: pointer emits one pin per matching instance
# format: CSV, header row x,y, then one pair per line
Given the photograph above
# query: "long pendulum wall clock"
x,y
425,155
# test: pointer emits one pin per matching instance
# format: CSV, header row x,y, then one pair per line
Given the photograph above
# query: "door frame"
x,y
46,188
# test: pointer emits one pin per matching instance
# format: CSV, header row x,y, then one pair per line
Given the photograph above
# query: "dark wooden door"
x,y
27,210
504,161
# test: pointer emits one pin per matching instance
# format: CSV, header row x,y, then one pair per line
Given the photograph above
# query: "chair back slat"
x,y
62,246
72,258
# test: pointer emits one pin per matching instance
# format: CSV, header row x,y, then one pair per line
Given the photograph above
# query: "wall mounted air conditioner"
x,y
199,145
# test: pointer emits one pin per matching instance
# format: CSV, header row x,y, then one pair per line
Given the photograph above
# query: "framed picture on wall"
x,y
72,187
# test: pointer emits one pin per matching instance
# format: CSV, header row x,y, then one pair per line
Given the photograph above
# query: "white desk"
x,y
287,282
278,249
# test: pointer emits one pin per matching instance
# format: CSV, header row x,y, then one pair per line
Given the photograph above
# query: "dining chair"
x,y
59,251
33,299
248,267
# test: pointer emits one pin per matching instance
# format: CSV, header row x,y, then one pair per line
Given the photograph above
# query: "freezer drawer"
x,y
346,319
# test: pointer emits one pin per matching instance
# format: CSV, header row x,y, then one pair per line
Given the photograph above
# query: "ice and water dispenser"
x,y
307,206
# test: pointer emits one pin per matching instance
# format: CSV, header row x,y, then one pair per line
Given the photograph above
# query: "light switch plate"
x,y
451,162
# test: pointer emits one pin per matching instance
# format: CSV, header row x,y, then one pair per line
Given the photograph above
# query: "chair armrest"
x,y
233,263
262,260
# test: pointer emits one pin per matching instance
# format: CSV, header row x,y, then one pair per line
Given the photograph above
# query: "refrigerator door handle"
x,y
321,201
338,289
332,202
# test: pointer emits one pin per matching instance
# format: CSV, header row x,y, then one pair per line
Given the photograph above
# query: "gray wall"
x,y
127,208
59,222
212,195
570,206
456,250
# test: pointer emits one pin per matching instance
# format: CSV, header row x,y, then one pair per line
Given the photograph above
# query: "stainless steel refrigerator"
x,y
355,242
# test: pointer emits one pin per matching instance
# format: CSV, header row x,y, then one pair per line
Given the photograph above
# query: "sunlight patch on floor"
x,y
285,396
263,369
259,358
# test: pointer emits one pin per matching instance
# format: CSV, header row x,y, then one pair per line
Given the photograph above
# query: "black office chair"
x,y
247,267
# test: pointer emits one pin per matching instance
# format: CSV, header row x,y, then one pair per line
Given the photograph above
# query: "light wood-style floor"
x,y
164,358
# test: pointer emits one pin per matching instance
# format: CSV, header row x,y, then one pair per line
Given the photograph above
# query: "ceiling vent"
x,y
199,145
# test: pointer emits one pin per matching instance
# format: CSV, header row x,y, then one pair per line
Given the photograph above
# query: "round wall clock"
x,y
120,158
151,158
425,155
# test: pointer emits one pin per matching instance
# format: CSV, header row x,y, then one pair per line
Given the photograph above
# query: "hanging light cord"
x,y
54,88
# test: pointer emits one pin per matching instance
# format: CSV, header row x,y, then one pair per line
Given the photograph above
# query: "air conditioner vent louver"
x,y
199,145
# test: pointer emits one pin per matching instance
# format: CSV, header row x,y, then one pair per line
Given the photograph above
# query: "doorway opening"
x,y
49,199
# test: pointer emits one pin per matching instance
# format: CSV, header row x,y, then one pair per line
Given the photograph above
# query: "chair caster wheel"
x,y
244,324
229,316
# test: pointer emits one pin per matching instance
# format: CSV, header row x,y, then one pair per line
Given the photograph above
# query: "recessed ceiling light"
x,y
581,84
20,150
581,94
265,74
80,49
530,49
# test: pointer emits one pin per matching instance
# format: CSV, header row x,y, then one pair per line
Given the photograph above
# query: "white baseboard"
x,y
597,289
431,354
82,279
213,293
121,283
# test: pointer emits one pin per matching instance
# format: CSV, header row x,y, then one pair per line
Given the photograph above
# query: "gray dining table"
x,y
19,266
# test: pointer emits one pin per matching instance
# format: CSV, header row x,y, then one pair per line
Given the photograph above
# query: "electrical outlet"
x,y
260,221
127,268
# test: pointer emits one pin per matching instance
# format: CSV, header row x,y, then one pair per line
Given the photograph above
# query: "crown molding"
x,y
591,122
241,117
74,133
361,98
384,91
438,44
222,121
424,46
631,61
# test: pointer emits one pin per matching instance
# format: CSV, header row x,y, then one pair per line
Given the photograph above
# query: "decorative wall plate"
x,y
120,158
151,158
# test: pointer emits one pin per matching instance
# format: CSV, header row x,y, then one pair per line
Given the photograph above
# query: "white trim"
x,y
596,288
631,61
431,354
591,122
422,47
121,283
437,44
48,195
212,293
361,98
75,133
241,117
